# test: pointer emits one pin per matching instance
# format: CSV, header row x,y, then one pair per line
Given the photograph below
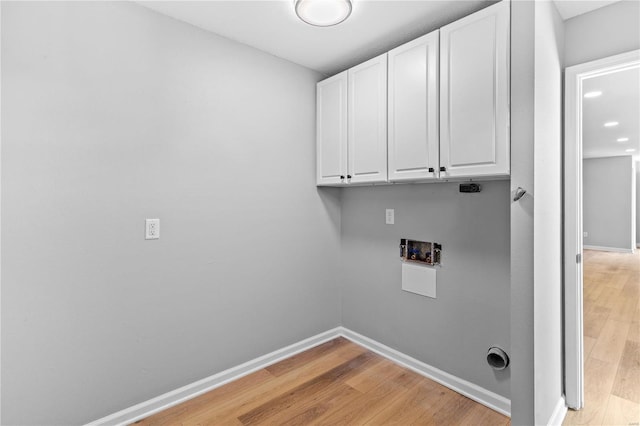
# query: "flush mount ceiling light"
x,y
593,94
611,124
622,139
629,150
323,13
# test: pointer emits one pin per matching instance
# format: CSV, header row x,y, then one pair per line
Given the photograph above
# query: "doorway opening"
x,y
579,89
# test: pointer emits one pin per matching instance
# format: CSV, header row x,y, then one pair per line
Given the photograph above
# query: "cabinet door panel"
x,y
413,110
474,94
331,128
367,116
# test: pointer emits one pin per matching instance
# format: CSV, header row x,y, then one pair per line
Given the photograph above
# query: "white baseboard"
x,y
483,396
603,248
557,417
175,397
192,390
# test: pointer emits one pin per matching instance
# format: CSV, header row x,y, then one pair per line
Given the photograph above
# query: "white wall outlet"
x,y
585,234
152,229
390,216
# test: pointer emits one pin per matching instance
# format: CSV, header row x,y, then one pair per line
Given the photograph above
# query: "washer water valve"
x,y
426,253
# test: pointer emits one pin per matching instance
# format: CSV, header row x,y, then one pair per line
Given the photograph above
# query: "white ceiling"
x,y
570,8
374,27
620,101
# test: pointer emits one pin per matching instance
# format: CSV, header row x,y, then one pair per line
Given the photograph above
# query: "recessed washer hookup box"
x,y
422,252
418,260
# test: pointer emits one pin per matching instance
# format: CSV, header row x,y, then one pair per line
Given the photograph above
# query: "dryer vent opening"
x,y
497,358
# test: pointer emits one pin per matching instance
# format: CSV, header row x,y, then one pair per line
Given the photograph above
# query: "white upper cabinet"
x,y
413,110
443,98
474,95
331,130
367,117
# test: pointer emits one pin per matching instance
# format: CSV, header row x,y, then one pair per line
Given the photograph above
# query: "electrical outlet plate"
x,y
152,229
390,216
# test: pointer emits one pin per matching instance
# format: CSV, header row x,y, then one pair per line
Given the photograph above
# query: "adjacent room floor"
x,y
611,340
336,383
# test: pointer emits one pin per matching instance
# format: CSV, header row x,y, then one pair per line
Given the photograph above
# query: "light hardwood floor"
x,y
336,383
611,340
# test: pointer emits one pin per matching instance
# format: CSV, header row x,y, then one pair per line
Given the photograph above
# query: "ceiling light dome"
x,y
323,13
593,94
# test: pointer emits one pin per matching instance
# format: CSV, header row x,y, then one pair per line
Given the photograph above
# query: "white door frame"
x,y
573,344
0,203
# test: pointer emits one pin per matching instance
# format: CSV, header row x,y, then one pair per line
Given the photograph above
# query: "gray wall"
x,y
535,220
112,114
608,197
471,312
549,44
522,213
604,32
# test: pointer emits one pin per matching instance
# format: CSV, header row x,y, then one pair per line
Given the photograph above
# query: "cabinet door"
x,y
331,130
413,110
367,114
474,94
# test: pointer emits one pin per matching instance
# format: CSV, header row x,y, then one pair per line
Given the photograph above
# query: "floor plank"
x,y
320,385
488,417
229,411
628,375
205,401
621,411
421,397
611,342
294,362
634,330
588,343
309,410
337,382
595,318
370,378
599,376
